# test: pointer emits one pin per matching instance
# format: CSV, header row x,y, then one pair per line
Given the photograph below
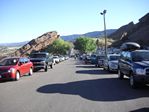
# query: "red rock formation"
x,y
133,33
37,44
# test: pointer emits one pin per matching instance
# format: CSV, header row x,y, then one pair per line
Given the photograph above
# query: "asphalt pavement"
x,y
72,86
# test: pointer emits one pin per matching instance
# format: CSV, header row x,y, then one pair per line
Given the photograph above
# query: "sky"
x,y
24,20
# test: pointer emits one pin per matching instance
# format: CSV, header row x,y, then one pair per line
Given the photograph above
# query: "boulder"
x,y
37,44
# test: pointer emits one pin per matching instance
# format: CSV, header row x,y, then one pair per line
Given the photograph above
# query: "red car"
x,y
15,67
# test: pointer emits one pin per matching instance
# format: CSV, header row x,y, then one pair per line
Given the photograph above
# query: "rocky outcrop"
x,y
122,32
38,44
133,33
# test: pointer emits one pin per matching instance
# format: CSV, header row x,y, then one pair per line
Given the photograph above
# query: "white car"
x,y
56,59
111,62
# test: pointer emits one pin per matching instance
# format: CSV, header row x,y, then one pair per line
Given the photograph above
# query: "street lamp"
x,y
103,13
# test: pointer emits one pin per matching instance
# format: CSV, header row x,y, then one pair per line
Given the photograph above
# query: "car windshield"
x,y
38,56
8,62
114,57
140,56
93,56
101,57
55,56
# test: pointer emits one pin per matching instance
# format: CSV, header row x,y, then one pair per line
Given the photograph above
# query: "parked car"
x,y
61,58
111,62
15,67
41,60
56,59
134,63
93,59
87,59
100,60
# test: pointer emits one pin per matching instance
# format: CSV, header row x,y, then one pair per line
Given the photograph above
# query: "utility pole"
x,y
105,35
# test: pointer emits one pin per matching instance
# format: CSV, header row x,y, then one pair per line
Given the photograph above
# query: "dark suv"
x,y
135,65
41,60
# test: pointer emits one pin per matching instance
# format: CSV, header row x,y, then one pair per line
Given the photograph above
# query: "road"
x,y
72,86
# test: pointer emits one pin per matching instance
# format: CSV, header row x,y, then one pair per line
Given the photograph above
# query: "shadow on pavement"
x,y
141,110
86,66
108,89
93,72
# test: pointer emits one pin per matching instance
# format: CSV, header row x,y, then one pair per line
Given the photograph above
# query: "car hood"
x,y
143,63
5,67
37,59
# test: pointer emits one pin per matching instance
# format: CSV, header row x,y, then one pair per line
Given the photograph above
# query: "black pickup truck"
x,y
41,60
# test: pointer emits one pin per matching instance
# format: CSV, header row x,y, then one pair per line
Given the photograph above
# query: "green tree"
x,y
59,46
85,44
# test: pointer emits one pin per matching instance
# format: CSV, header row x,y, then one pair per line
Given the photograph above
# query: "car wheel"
x,y
17,76
132,81
108,68
46,68
30,71
51,66
120,74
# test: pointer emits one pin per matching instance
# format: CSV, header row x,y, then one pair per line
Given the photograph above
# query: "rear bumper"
x,y
39,67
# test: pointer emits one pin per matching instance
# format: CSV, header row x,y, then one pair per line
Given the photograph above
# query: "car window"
x,y
113,58
8,62
26,60
124,55
21,60
140,56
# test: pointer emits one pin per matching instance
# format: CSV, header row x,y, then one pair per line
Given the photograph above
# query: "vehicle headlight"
x,y
12,70
140,71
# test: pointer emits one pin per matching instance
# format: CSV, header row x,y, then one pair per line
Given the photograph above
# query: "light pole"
x,y
103,13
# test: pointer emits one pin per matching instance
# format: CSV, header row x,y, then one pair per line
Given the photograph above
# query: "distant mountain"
x,y
16,44
70,37
93,34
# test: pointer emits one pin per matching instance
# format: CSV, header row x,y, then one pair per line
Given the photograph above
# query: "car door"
x,y
26,65
22,68
128,63
123,62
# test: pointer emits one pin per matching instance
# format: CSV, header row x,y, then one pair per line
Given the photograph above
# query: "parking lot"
x,y
72,86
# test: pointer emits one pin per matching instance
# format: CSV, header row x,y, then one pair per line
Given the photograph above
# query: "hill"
x,y
133,33
16,44
93,34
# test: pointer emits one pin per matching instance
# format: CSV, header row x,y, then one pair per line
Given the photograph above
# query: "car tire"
x,y
51,66
132,82
108,68
46,68
120,74
30,71
17,77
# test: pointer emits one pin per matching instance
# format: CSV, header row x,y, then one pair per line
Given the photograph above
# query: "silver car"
x,y
111,62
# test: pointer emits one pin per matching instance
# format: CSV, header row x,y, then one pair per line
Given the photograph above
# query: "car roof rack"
x,y
130,46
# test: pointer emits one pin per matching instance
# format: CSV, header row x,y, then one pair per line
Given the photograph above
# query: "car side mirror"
x,y
20,63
